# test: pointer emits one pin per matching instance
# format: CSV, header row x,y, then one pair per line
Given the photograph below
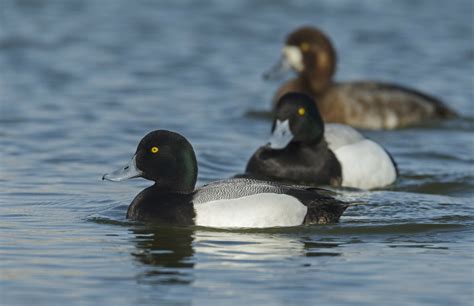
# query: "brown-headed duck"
x,y
361,104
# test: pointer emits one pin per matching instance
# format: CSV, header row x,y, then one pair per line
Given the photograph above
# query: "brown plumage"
x,y
362,104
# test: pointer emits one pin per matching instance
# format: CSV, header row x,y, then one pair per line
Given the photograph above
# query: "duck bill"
x,y
278,71
124,173
281,135
291,58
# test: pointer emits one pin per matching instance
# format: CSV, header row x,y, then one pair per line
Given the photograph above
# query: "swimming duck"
x,y
362,104
303,150
168,159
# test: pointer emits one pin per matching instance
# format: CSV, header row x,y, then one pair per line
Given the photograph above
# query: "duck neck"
x,y
166,188
318,144
316,83
320,69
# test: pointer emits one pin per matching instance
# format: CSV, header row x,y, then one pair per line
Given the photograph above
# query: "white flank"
x,y
254,211
391,120
364,163
339,135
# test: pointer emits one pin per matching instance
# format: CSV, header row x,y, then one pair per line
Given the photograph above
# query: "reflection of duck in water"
x,y
168,159
166,248
236,247
362,104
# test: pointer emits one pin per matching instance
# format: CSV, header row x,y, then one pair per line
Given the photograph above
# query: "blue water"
x,y
82,81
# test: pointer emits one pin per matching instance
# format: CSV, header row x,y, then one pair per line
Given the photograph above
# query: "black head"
x,y
164,157
296,120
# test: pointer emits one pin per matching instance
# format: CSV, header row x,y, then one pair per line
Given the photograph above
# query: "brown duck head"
x,y
309,52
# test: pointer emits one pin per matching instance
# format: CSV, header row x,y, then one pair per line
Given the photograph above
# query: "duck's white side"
x,y
364,163
256,211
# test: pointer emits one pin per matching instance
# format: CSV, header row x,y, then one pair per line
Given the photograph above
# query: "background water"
x,y
82,81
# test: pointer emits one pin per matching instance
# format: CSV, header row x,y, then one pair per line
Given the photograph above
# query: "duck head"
x,y
164,157
296,120
308,52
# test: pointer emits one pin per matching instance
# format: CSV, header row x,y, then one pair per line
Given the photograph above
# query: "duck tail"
x,y
325,213
356,204
444,112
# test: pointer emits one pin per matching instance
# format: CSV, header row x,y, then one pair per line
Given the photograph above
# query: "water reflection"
x,y
319,248
246,247
178,256
175,255
256,249
167,252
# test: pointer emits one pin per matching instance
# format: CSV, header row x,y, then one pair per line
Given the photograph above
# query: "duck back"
x,y
243,202
375,105
371,105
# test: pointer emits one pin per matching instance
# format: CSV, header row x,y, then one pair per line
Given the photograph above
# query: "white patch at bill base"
x,y
294,57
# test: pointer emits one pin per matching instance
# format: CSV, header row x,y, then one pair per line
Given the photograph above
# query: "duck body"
x,y
241,202
319,154
346,158
169,160
236,203
362,104
364,163
298,163
371,105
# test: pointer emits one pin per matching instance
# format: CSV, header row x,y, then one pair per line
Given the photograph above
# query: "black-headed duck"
x,y
303,150
168,159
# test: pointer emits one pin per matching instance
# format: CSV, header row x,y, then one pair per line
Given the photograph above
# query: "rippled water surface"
x,y
82,81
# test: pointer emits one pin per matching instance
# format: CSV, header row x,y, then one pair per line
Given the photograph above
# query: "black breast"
x,y
297,163
162,207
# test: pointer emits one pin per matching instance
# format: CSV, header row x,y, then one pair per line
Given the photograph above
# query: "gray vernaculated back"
x,y
235,188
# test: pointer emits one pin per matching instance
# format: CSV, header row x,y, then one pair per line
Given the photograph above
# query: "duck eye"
x,y
154,150
301,111
304,46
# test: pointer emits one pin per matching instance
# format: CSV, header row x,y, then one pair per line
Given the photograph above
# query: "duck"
x,y
304,150
362,104
168,159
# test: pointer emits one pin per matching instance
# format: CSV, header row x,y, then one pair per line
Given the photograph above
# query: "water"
x,y
82,81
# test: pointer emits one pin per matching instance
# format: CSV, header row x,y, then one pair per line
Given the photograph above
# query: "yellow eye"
x,y
301,111
154,150
304,46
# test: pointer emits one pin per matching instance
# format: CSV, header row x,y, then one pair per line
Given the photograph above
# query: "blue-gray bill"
x,y
278,71
281,135
125,173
